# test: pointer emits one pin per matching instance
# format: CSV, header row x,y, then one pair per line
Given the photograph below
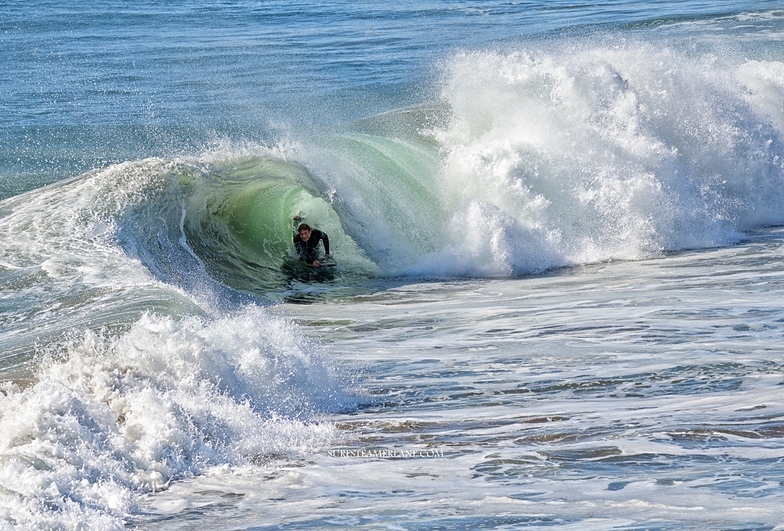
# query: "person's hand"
x,y
316,263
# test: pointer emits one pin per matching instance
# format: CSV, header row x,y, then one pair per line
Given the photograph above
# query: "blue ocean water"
x,y
557,299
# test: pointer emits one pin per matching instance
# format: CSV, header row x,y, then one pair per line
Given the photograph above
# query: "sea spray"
x,y
606,151
120,415
562,154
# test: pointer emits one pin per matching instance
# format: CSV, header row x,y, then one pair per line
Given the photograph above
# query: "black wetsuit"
x,y
308,251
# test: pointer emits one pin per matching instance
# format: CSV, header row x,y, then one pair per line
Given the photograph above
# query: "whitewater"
x,y
558,294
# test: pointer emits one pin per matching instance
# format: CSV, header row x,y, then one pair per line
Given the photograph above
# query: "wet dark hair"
x,y
304,226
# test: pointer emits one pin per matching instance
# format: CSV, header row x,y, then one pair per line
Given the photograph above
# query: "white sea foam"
x,y
588,153
167,399
551,158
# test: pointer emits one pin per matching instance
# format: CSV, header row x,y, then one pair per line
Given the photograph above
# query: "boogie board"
x,y
325,262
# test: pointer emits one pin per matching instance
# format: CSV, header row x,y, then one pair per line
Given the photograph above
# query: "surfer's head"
x,y
304,231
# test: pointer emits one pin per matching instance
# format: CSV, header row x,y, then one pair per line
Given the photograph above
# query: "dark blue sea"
x,y
557,298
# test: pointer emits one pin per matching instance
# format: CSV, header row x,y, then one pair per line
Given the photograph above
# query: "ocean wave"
x,y
115,416
594,153
534,159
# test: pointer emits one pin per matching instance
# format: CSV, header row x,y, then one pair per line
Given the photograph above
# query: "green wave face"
x,y
386,171
393,194
374,189
239,222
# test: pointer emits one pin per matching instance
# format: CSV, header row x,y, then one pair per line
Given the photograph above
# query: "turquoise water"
x,y
557,299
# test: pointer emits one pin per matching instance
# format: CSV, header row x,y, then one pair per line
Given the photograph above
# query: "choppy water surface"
x,y
558,294
639,395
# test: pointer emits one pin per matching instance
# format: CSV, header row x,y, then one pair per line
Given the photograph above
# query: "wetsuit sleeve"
x,y
325,239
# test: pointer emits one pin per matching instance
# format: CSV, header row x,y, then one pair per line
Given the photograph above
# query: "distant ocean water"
x,y
558,293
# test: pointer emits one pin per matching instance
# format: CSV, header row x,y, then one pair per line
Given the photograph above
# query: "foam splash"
x,y
128,414
594,153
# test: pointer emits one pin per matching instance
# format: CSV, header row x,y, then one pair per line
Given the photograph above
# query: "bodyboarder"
x,y
306,242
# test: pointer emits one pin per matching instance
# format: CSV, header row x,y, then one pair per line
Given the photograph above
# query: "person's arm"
x,y
325,239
